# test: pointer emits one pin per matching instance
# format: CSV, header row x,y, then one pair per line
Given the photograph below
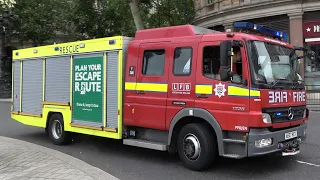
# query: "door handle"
x,y
201,96
140,92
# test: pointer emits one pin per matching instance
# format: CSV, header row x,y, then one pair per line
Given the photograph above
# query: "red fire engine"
x,y
185,89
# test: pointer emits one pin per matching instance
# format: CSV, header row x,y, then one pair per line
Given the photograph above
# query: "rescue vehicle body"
x,y
142,90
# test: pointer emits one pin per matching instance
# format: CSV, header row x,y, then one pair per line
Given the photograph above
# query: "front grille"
x,y
280,115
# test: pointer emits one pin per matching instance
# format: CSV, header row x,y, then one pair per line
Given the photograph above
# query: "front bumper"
x,y
278,139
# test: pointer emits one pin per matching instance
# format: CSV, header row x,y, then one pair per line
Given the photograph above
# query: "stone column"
x,y
296,35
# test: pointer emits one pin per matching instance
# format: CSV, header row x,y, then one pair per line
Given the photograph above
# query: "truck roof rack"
x,y
173,31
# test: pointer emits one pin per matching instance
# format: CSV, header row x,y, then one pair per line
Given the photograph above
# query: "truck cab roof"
x,y
185,33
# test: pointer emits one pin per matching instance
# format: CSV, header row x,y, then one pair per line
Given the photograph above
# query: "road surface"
x,y
125,162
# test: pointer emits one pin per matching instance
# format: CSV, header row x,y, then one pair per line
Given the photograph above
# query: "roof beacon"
x,y
257,29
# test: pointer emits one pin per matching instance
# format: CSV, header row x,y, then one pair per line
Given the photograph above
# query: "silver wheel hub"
x,y
56,129
191,147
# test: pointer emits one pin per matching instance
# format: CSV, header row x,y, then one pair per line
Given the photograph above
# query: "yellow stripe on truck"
x,y
201,89
131,86
237,91
254,93
204,89
151,87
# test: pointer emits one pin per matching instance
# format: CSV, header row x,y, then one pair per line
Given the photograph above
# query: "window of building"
x,y
312,69
211,62
211,2
153,62
182,61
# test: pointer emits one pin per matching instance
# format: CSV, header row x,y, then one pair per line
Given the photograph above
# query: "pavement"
x,y
20,160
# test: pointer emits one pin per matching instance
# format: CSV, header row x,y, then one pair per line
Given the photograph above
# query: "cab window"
x,y
211,62
153,62
182,61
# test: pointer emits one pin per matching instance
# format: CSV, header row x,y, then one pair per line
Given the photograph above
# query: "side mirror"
x,y
225,73
311,55
236,79
308,53
225,53
225,60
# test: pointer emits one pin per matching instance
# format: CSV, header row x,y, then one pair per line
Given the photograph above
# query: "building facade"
x,y
300,19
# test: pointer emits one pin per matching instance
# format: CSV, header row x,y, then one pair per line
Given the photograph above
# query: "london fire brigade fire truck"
x,y
185,89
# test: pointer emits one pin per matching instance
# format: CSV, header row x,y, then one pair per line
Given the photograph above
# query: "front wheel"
x,y
197,147
56,130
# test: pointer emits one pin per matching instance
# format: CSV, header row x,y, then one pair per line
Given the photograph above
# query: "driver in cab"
x,y
236,61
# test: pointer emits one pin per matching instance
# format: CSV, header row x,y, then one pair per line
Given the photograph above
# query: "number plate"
x,y
290,135
290,153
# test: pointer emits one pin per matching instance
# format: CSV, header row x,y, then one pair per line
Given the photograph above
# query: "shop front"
x,y
312,68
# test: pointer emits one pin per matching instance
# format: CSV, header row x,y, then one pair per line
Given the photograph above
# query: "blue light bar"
x,y
263,30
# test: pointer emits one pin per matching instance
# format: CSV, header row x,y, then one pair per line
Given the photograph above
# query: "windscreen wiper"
x,y
297,83
276,81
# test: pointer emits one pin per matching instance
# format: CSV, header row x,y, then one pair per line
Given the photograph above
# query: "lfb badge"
x,y
220,90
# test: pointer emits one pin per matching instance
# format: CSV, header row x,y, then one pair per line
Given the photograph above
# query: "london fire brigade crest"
x,y
220,90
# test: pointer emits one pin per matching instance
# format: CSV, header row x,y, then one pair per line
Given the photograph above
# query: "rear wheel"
x,y
197,147
56,130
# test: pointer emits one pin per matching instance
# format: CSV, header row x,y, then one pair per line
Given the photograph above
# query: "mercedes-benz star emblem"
x,y
290,113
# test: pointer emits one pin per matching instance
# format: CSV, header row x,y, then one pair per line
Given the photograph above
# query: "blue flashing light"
x,y
17,53
56,48
278,114
112,42
263,30
243,25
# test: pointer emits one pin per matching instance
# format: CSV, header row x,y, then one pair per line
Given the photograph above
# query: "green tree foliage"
x,y
171,13
159,13
40,21
102,18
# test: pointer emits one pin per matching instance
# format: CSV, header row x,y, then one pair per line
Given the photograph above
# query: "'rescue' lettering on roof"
x,y
69,49
75,47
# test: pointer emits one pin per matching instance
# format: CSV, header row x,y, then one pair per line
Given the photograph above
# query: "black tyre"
x,y
56,131
197,147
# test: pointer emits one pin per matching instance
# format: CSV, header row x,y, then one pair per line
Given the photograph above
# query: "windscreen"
x,y
272,63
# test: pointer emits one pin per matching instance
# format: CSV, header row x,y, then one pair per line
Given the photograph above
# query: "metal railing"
x,y
313,97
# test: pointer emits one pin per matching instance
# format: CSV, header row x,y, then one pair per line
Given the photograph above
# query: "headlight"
x,y
266,118
263,143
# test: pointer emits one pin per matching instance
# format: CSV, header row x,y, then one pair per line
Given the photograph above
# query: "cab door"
x,y
151,88
226,101
181,83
